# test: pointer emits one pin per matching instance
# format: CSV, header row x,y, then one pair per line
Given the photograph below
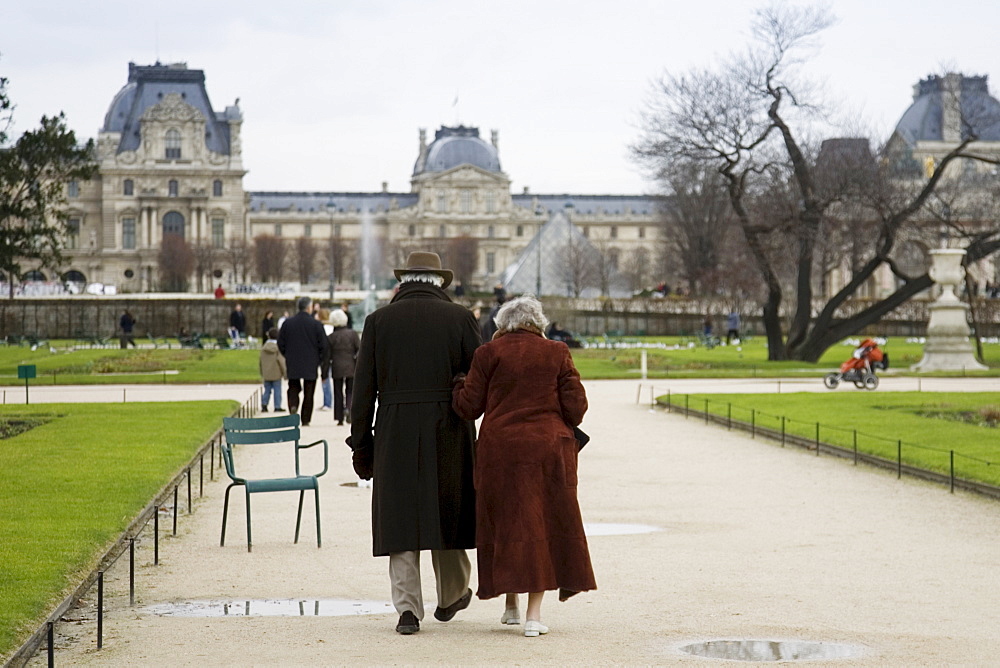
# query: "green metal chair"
x,y
281,429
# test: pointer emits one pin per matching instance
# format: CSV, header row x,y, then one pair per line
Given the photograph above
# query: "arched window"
x,y
173,223
411,230
490,232
172,188
520,230
216,188
128,187
614,231
74,276
172,141
442,231
34,275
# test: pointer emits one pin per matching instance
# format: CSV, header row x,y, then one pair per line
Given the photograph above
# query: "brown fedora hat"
x,y
425,262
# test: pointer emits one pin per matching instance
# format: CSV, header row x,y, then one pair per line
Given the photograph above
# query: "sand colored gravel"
x,y
757,542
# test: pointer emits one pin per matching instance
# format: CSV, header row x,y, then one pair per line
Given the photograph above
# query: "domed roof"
x,y
458,146
979,112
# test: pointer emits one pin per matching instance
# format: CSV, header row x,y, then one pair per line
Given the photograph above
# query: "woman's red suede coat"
x,y
529,532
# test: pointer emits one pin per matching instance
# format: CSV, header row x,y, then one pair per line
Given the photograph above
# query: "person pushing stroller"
x,y
860,368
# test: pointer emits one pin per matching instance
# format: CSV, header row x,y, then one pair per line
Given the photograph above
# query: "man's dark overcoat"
x,y
423,497
302,340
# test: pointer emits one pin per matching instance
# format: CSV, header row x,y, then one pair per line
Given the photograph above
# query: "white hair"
x,y
421,277
338,318
520,312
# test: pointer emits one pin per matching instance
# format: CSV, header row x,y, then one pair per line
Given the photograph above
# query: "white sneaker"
x,y
533,629
324,408
511,616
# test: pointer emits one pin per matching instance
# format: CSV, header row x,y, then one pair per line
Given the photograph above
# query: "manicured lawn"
x,y
73,483
929,424
667,357
108,365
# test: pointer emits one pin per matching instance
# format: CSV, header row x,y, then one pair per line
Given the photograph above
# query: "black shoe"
x,y
340,423
263,409
279,410
408,624
446,614
305,424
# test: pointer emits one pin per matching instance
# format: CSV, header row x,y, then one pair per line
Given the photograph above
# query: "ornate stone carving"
x,y
174,109
127,157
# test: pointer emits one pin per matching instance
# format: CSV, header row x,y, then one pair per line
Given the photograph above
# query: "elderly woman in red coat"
x,y
529,532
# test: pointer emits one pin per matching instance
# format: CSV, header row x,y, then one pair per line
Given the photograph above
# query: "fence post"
x,y
753,423
100,609
687,409
189,490
706,411
817,439
782,431
952,457
131,570
855,447
156,535
729,416
670,402
52,645
175,508
899,459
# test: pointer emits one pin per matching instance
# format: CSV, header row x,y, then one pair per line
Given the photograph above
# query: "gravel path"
x,y
755,542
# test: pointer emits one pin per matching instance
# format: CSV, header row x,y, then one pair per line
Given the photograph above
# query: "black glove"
x,y
363,458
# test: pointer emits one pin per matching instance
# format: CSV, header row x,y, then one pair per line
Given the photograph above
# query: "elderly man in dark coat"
x,y
302,340
421,454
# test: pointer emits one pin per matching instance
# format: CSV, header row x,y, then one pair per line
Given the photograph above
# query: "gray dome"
x,y
924,120
458,146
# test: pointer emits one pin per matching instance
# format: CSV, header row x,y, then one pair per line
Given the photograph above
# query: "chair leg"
x,y
225,513
249,542
298,518
319,538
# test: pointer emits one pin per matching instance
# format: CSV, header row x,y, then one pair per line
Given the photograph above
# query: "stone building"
x,y
169,164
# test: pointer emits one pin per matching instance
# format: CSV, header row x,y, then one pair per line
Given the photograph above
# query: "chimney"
x,y
951,108
385,186
495,138
525,190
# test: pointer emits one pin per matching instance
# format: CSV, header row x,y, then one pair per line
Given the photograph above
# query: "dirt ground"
x,y
755,542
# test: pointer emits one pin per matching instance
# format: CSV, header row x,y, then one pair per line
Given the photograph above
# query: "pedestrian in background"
x,y
344,346
303,343
127,324
272,370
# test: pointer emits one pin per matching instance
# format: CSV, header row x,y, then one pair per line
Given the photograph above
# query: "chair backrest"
x,y
278,429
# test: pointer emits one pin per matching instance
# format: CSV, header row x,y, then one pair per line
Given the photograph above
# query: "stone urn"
x,y
948,347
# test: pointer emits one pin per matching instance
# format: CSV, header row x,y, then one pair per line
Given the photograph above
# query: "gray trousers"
x,y
451,573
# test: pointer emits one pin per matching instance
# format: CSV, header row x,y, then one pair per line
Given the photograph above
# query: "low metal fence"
x,y
126,543
851,443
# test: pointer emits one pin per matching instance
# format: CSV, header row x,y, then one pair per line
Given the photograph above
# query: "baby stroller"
x,y
860,368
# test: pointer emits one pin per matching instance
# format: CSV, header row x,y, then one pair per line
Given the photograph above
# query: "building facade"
x,y
170,164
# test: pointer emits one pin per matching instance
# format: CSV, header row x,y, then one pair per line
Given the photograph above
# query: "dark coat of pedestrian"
x,y
529,530
127,324
420,456
266,324
303,342
238,320
343,354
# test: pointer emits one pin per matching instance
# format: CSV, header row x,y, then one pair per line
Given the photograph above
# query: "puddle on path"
x,y
771,650
330,607
612,529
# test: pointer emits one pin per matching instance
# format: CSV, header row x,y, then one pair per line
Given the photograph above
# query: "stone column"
x,y
948,347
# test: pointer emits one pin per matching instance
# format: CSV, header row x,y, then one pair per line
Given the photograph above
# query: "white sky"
x,y
333,92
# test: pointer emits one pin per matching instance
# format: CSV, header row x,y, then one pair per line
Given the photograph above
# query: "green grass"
x,y
134,366
71,485
85,366
930,424
749,359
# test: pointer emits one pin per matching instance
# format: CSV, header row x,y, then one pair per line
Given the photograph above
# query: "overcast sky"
x,y
333,93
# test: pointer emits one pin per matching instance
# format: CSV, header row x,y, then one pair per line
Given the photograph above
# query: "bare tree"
x,y
462,255
269,257
576,265
338,259
637,269
206,257
305,256
239,257
176,262
747,120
